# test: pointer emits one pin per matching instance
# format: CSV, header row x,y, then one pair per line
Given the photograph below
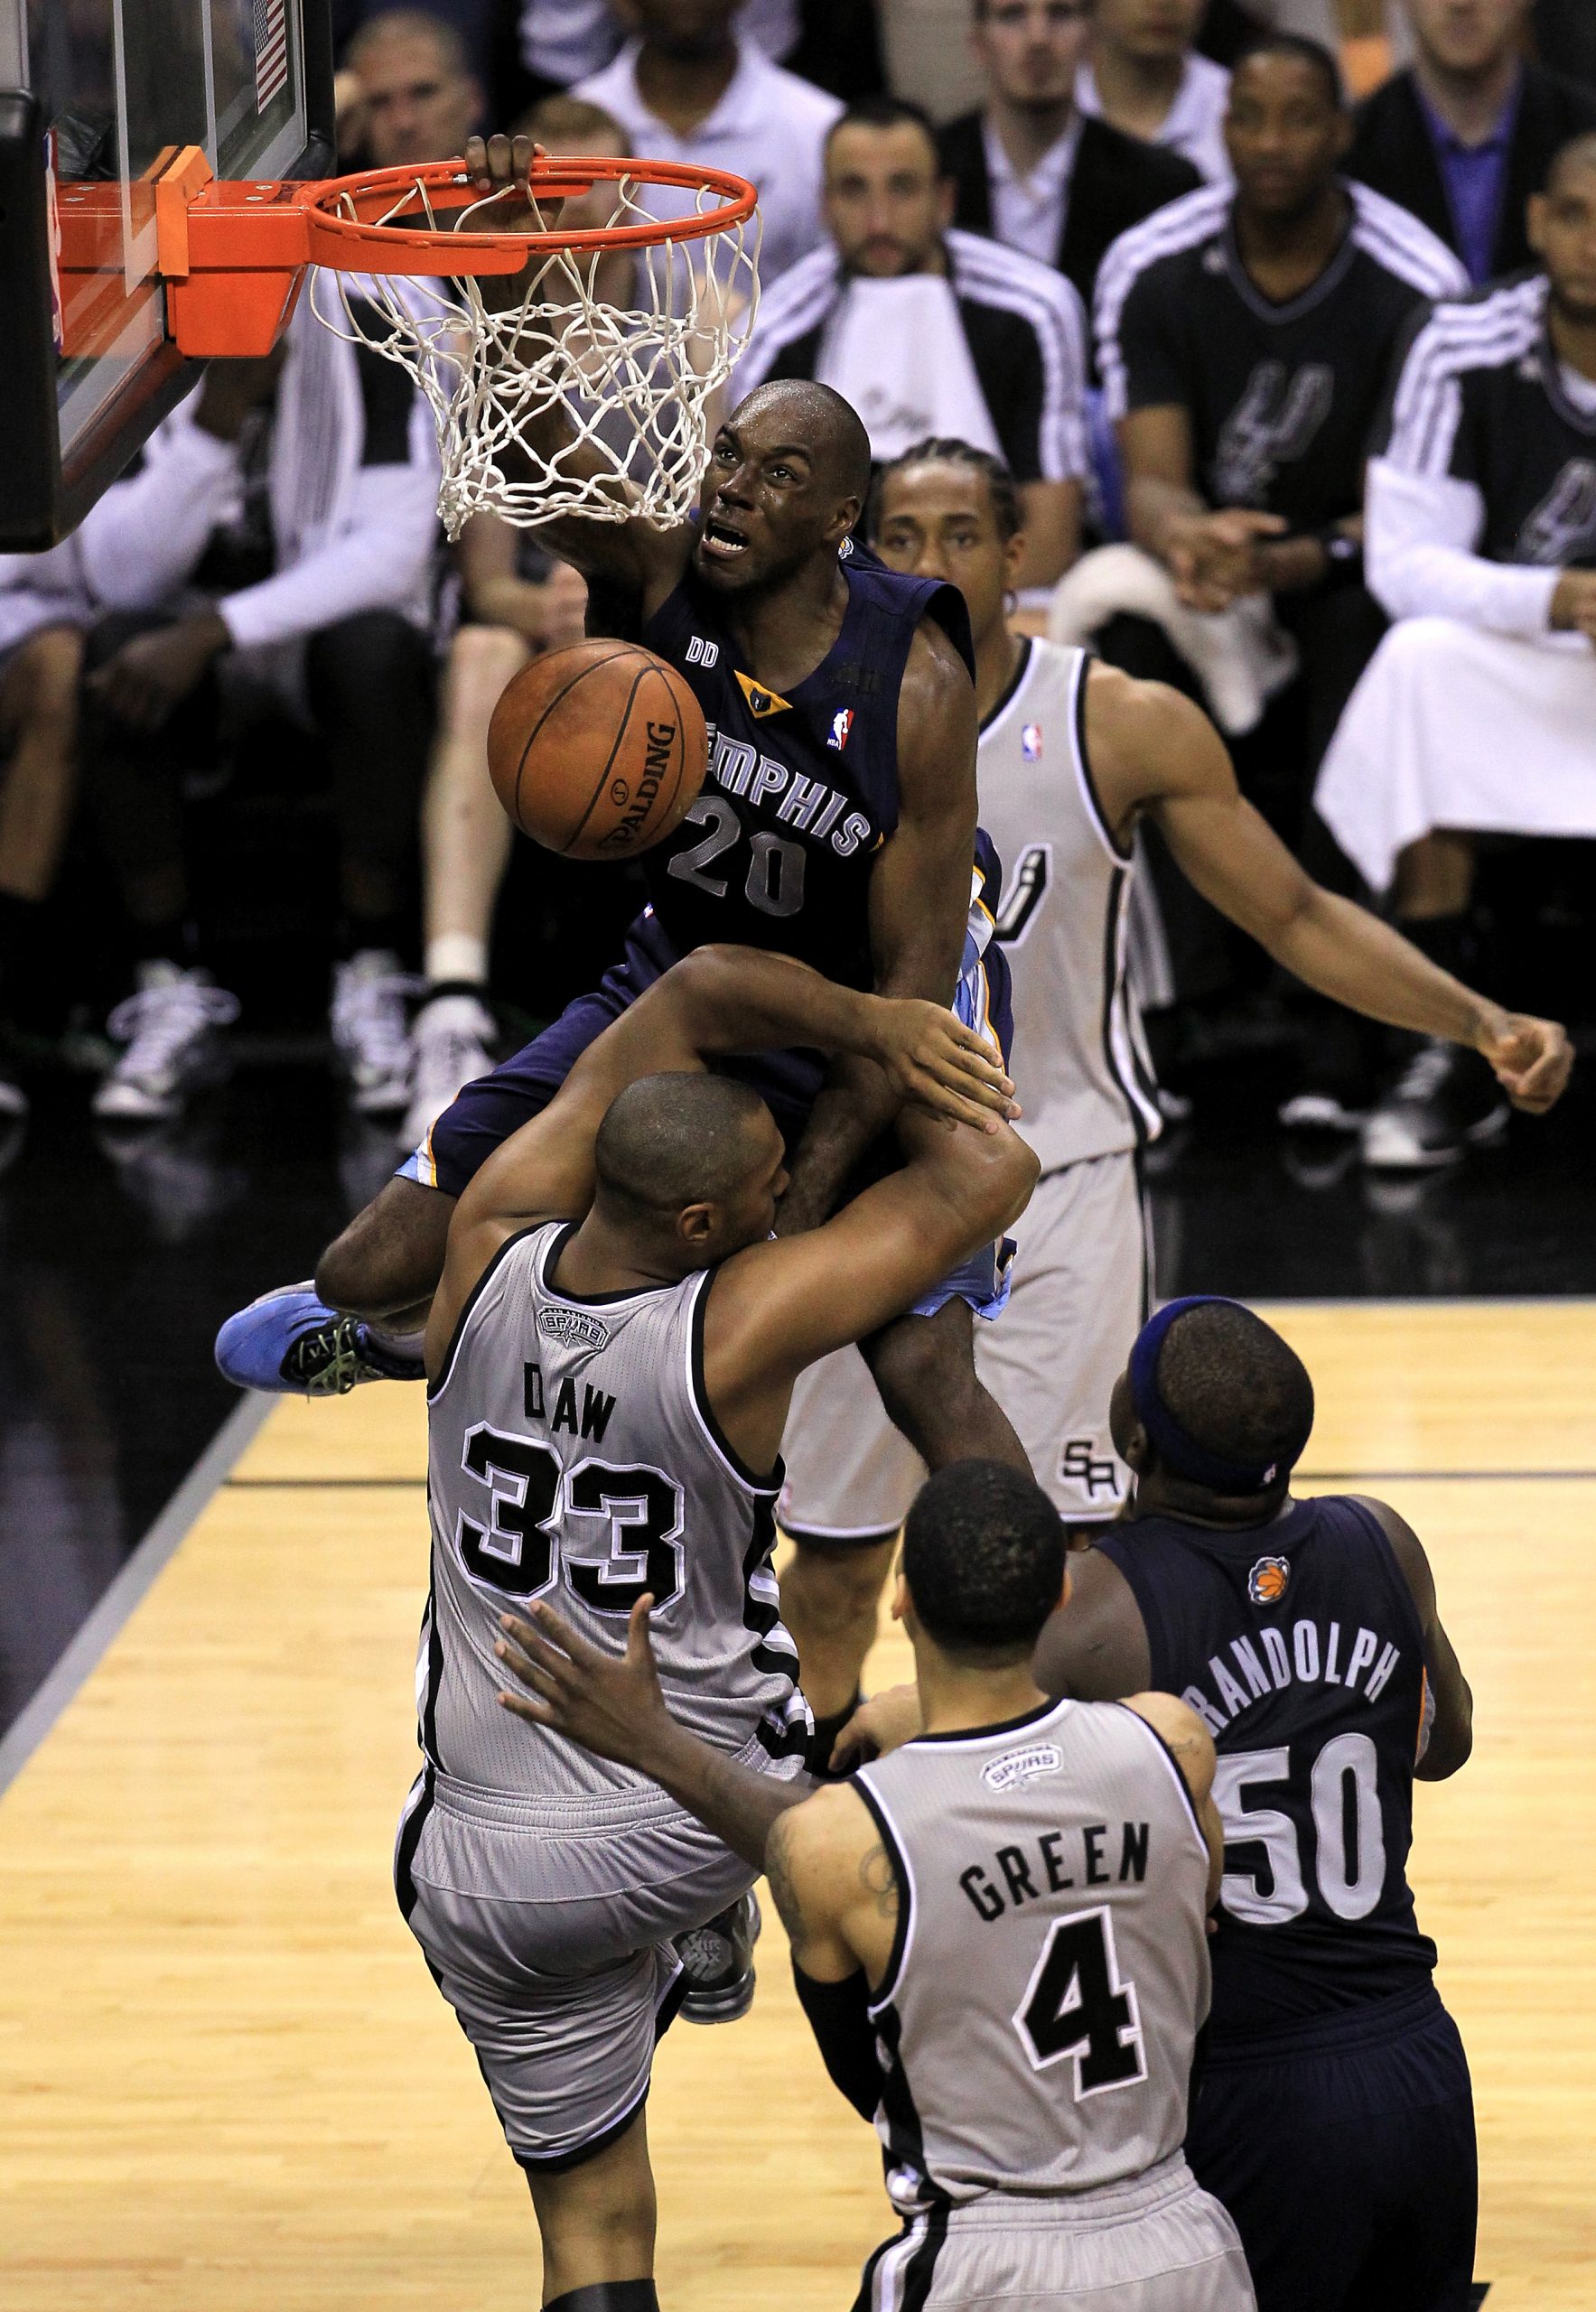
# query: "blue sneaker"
x,y
288,1341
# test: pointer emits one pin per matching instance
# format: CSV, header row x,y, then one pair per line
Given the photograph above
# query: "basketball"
x,y
597,750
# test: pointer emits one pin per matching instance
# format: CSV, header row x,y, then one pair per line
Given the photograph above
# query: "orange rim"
x,y
365,241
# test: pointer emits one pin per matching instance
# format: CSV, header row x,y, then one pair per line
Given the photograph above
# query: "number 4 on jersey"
x,y
1075,2004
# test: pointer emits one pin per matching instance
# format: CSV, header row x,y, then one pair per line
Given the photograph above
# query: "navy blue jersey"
x,y
802,791
1298,1644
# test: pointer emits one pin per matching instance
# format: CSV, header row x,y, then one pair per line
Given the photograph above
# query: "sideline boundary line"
x,y
136,1577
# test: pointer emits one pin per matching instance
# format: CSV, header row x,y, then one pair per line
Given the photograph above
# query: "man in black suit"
x,y
1029,168
1468,133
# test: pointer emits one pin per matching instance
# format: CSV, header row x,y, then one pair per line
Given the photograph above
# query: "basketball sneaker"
x,y
452,1040
1445,1102
369,1033
168,1031
717,1960
290,1341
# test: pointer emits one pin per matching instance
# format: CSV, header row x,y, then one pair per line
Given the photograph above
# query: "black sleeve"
x,y
1156,374
839,2016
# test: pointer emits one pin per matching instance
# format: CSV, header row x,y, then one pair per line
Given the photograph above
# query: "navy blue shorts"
x,y
488,1110
1345,2155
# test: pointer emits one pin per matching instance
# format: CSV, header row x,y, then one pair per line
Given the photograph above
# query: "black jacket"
x,y
1392,151
1116,182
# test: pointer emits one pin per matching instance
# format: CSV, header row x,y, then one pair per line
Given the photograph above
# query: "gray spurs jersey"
x,y
572,1455
1085,1081
1049,1968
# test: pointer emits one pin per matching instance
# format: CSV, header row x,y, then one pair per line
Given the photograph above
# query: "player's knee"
x,y
924,1366
830,1587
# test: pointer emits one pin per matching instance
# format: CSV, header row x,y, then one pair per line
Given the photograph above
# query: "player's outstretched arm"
x,y
718,1000
778,1306
1159,751
920,903
1445,1741
615,1707
634,555
1191,1746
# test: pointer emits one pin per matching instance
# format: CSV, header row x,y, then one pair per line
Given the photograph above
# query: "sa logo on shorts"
x,y
1265,1584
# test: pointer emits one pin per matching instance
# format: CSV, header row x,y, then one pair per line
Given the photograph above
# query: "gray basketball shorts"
x,y
1157,2244
548,1930
1078,1295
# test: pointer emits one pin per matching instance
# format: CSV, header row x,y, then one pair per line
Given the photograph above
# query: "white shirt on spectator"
x,y
350,536
1027,212
769,127
566,40
1194,125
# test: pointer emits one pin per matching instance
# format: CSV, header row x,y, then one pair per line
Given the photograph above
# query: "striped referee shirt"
x,y
1023,323
1484,490
1281,399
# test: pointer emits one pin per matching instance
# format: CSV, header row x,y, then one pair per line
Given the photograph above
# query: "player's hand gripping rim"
x,y
610,1705
930,1057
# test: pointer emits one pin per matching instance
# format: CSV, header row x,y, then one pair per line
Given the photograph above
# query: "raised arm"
x,y
919,902
1154,750
1448,1737
718,1000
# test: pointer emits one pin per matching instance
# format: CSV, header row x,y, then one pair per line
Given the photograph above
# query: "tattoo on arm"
x,y
781,1887
879,1878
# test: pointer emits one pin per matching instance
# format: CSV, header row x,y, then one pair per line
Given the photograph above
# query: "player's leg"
x,y
1080,1293
368,682
597,2222
851,1476
465,847
925,1369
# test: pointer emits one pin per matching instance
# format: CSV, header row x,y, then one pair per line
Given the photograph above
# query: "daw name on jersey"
x,y
587,1417
807,804
1018,1875
1307,1656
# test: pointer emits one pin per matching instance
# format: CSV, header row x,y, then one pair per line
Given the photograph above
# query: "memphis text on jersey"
x,y
807,804
1309,1653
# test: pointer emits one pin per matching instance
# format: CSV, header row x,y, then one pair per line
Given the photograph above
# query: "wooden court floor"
x,y
225,2080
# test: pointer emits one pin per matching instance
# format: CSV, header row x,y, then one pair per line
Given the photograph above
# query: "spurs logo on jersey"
x,y
1052,1872
572,1455
1562,527
1087,1084
1481,401
1275,422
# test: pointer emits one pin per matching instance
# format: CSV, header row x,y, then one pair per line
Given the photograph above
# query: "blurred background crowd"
x,y
243,798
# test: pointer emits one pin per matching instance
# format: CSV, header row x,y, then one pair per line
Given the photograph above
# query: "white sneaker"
x,y
169,1027
370,1030
453,1039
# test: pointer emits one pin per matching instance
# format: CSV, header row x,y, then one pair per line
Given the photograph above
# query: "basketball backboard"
x,y
97,98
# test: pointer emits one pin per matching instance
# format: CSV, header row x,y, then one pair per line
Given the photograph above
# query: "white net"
x,y
595,390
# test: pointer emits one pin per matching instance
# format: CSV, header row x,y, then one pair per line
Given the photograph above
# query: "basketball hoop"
x,y
594,381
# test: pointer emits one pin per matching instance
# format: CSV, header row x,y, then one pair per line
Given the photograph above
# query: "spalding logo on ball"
x,y
597,751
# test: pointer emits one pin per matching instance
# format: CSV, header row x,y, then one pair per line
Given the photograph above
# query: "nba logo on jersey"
x,y
1265,1584
1030,743
842,722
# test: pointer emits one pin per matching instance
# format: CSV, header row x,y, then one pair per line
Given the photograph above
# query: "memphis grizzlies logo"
x,y
1274,424
1563,529
1266,1583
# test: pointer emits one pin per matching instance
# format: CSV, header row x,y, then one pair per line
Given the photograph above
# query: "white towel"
x,y
1241,656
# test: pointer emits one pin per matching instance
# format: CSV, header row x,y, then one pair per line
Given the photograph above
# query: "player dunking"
x,y
997,1932
1071,756
611,1350
838,825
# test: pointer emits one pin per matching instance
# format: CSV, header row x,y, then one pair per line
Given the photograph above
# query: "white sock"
x,y
456,956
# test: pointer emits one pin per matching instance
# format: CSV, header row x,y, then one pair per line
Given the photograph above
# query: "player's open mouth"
x,y
721,541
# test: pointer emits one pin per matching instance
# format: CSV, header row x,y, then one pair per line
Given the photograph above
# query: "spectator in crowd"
x,y
1478,712
690,89
1467,134
1030,168
926,330
1143,76
1245,339
275,547
407,91
483,32
566,41
43,610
